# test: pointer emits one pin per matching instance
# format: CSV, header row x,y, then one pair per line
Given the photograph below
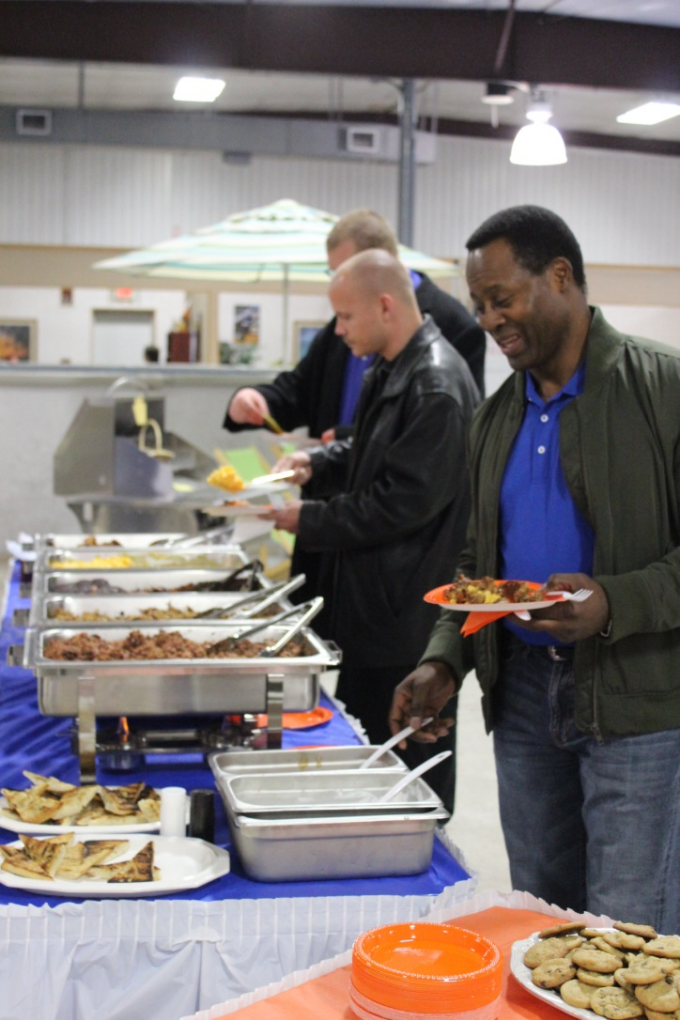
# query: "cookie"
x,y
595,959
599,943
552,973
663,996
621,978
667,946
560,929
548,949
595,978
645,930
575,993
652,1014
615,1003
623,940
645,970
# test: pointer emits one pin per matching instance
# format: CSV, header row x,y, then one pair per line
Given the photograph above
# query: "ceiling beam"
x,y
366,41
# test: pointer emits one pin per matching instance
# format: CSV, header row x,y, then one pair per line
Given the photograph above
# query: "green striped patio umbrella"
x,y
283,242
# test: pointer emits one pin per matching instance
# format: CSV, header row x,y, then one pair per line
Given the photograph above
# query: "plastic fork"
x,y
567,596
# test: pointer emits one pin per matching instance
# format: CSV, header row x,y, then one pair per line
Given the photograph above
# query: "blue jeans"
x,y
587,825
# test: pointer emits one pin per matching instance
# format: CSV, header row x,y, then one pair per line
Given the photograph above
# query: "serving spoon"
x,y
392,742
406,780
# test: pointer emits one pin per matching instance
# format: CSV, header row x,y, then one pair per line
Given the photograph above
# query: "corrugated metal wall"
x,y
625,208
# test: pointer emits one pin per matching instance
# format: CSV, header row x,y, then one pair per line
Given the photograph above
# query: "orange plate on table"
x,y
438,598
301,720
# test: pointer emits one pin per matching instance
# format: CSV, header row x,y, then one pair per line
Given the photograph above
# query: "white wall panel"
x,y
625,208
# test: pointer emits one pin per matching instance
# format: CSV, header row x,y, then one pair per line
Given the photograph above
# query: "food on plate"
x,y
486,591
226,478
63,858
628,972
49,801
162,645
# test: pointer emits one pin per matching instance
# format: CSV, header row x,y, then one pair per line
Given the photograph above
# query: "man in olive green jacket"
x,y
584,698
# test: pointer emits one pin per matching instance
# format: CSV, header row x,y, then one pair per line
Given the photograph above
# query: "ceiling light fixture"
x,y
650,113
538,143
198,90
498,94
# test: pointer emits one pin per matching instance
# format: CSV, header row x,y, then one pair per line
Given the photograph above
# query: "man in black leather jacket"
x,y
399,518
311,395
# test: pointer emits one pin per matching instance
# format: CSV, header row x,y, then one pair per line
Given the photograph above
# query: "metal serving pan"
x,y
44,608
129,540
326,847
300,794
297,759
139,582
176,686
208,557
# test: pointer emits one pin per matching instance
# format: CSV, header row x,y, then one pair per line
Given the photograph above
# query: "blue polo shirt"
x,y
542,531
354,375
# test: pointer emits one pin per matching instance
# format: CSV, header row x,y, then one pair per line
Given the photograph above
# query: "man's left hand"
x,y
571,621
287,518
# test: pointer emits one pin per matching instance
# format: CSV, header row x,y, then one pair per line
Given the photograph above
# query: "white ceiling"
x,y
51,84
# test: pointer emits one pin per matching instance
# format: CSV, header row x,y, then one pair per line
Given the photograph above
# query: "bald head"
x,y
375,304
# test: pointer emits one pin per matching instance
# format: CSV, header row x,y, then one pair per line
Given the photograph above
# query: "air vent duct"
x,y
34,122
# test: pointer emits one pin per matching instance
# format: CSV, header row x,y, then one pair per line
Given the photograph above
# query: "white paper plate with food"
x,y
619,998
238,508
76,866
461,596
50,805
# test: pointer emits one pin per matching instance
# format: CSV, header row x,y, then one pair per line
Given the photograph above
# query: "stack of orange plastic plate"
x,y
438,971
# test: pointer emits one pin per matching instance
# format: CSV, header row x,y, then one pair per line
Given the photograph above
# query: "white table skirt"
x,y
164,959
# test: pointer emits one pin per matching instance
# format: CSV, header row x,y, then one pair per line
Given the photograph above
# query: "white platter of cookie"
x,y
622,972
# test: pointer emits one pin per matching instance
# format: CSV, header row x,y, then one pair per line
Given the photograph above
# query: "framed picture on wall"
x,y
18,339
303,334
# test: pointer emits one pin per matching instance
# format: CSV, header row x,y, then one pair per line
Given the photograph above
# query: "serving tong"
x,y
256,600
254,566
308,611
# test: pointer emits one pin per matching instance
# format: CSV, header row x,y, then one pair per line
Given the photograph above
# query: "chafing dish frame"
x,y
172,686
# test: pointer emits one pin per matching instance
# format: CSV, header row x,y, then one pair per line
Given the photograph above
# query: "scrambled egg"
x,y
226,478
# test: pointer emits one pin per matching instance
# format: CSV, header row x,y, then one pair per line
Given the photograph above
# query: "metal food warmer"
x,y
124,707
121,470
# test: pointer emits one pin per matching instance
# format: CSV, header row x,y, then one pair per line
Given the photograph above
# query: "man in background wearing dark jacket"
x,y
322,391
398,519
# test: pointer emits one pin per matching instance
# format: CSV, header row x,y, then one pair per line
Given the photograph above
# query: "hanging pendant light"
x,y
538,143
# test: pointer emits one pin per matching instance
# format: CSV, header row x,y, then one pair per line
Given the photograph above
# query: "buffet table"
x,y
323,990
168,957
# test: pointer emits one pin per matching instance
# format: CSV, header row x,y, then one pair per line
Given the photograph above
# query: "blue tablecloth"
x,y
29,740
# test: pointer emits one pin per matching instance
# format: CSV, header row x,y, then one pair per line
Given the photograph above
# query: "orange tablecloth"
x,y
327,996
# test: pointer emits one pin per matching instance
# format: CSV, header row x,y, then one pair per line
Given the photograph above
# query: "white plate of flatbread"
x,y
77,866
50,805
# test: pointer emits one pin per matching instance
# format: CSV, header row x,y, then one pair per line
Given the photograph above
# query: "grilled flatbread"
x,y
81,858
31,805
139,869
150,807
48,853
50,783
122,800
75,801
17,862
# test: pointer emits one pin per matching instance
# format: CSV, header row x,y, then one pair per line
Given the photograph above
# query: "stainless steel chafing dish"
x,y
208,557
300,759
137,582
131,540
292,795
329,847
125,609
174,687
